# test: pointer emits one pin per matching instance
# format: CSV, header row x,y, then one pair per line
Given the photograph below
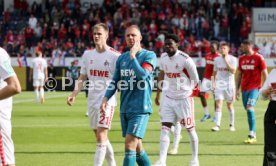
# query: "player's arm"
x,y
78,87
213,80
263,67
264,74
13,87
79,84
46,73
113,86
159,86
192,71
238,83
147,67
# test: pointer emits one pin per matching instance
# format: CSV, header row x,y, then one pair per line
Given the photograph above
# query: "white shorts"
x,y
172,110
206,85
101,119
228,95
38,82
6,130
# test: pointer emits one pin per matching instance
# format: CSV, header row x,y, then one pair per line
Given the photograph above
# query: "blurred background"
x,y
62,29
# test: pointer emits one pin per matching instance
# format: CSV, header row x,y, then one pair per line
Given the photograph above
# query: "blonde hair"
x,y
101,25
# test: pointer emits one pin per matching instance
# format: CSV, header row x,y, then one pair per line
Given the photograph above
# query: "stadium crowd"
x,y
63,28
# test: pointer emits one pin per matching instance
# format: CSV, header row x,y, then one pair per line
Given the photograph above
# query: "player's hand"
x,y
71,100
238,93
104,104
270,91
134,49
157,100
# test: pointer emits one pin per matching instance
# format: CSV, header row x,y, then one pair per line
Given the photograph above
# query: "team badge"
x,y
176,66
252,61
106,63
91,61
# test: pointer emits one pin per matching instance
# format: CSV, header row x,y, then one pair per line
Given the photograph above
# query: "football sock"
x,y
218,115
193,143
130,158
251,120
37,95
41,93
100,154
142,159
164,143
109,156
177,133
232,117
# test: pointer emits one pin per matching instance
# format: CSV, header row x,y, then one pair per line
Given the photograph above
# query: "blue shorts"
x,y
134,124
250,97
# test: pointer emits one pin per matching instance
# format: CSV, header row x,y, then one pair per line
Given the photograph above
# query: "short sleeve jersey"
x,y
251,67
180,75
38,65
99,69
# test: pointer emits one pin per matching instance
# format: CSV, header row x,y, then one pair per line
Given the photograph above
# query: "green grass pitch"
x,y
54,134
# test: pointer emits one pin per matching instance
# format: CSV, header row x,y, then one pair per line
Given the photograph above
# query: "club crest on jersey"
x,y
252,61
123,63
166,67
106,63
91,61
176,66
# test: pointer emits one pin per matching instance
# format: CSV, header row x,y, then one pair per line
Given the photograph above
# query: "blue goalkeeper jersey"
x,y
134,82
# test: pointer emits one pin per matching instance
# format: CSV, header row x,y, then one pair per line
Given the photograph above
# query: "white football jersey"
x,y
6,71
224,76
38,65
181,75
99,69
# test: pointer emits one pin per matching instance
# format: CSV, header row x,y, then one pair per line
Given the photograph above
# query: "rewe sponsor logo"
x,y
247,67
127,73
99,73
173,75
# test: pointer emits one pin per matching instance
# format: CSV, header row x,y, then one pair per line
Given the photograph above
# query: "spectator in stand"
x,y
32,21
29,34
201,19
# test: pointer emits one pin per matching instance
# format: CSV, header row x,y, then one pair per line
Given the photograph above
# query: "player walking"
x,y
39,74
224,69
180,75
98,66
133,75
206,84
249,77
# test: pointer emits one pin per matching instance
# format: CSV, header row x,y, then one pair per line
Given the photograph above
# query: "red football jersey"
x,y
209,65
251,67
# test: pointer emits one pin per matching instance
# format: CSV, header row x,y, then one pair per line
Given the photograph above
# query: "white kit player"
x,y
179,76
206,84
224,71
9,86
98,66
39,74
